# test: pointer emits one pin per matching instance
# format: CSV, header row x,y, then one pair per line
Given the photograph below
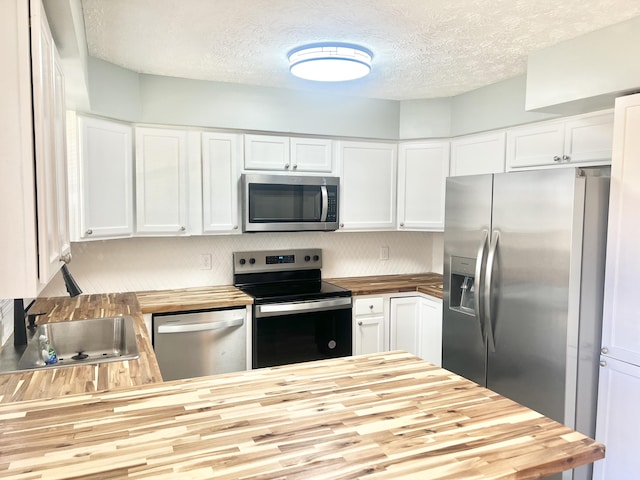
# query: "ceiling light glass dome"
x,y
330,62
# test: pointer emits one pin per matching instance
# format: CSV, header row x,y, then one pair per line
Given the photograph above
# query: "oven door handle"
x,y
289,308
325,203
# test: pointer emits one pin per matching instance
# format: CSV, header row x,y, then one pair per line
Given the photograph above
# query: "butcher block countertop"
x,y
162,301
427,283
382,416
54,382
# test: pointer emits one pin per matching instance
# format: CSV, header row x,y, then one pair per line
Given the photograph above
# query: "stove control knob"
x,y
307,258
242,261
252,261
316,258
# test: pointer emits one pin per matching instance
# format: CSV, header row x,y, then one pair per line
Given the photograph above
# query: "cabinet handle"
x,y
603,363
182,229
566,158
235,227
286,166
295,166
402,224
556,158
342,225
66,258
89,232
370,307
604,350
360,323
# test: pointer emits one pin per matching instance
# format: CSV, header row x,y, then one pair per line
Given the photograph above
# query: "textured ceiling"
x,y
422,48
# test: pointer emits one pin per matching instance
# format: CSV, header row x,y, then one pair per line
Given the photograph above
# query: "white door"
x,y
60,141
431,330
369,335
478,154
367,186
161,181
221,153
589,139
266,152
404,324
618,421
536,145
312,155
422,172
106,179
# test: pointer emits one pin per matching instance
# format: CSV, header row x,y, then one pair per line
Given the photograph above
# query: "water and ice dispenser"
x,y
462,294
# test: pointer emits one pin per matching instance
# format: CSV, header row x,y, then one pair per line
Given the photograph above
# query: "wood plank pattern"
x,y
382,416
221,296
427,283
54,382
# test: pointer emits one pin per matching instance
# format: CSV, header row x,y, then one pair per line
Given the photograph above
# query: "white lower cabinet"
x,y
370,324
416,327
411,322
618,394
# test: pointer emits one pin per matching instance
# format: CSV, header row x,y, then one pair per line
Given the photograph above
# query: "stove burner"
x,y
80,356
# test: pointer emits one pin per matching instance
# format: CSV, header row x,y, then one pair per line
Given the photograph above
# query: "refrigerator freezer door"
x,y
467,226
533,218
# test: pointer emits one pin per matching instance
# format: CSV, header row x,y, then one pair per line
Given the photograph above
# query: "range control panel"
x,y
277,260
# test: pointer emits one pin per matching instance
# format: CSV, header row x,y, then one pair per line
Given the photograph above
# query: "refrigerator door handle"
x,y
488,294
479,287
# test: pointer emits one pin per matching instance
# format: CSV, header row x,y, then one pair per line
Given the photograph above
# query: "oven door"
x,y
293,332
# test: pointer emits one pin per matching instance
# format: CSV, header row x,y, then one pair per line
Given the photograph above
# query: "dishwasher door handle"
x,y
199,327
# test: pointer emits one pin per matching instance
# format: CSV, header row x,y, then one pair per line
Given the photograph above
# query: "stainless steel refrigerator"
x,y
523,269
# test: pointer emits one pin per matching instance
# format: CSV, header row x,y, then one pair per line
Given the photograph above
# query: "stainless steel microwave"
x,y
289,203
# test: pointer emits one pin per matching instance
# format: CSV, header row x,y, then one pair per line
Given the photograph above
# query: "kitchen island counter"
x,y
382,416
54,381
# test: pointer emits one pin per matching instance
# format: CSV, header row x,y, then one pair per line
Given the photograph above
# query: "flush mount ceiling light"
x,y
330,62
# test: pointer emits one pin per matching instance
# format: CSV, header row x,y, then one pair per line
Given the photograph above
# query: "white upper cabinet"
x,y
285,154
478,154
221,153
105,179
576,141
161,181
367,185
50,149
422,171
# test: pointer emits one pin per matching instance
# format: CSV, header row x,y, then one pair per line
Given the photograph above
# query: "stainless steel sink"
x,y
83,341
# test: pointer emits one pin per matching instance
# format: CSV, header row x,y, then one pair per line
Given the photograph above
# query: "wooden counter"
x,y
427,283
161,301
57,381
382,416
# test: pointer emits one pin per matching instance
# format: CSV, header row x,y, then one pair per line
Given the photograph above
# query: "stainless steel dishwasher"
x,y
195,344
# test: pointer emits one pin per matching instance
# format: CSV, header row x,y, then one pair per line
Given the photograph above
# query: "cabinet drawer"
x,y
367,306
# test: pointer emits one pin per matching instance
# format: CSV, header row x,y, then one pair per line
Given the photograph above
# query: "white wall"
x,y
137,264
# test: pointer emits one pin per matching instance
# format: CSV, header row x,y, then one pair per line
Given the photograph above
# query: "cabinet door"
x,y
265,152
478,154
537,145
161,181
618,394
106,179
60,141
312,155
367,186
404,322
431,330
422,173
589,139
621,309
44,111
369,335
220,155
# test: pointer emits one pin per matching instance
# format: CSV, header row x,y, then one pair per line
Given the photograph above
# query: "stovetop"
x,y
293,291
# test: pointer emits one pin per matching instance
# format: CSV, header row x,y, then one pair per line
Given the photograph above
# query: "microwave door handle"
x,y
325,203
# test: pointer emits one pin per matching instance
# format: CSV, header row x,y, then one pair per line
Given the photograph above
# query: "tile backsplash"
x,y
137,264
